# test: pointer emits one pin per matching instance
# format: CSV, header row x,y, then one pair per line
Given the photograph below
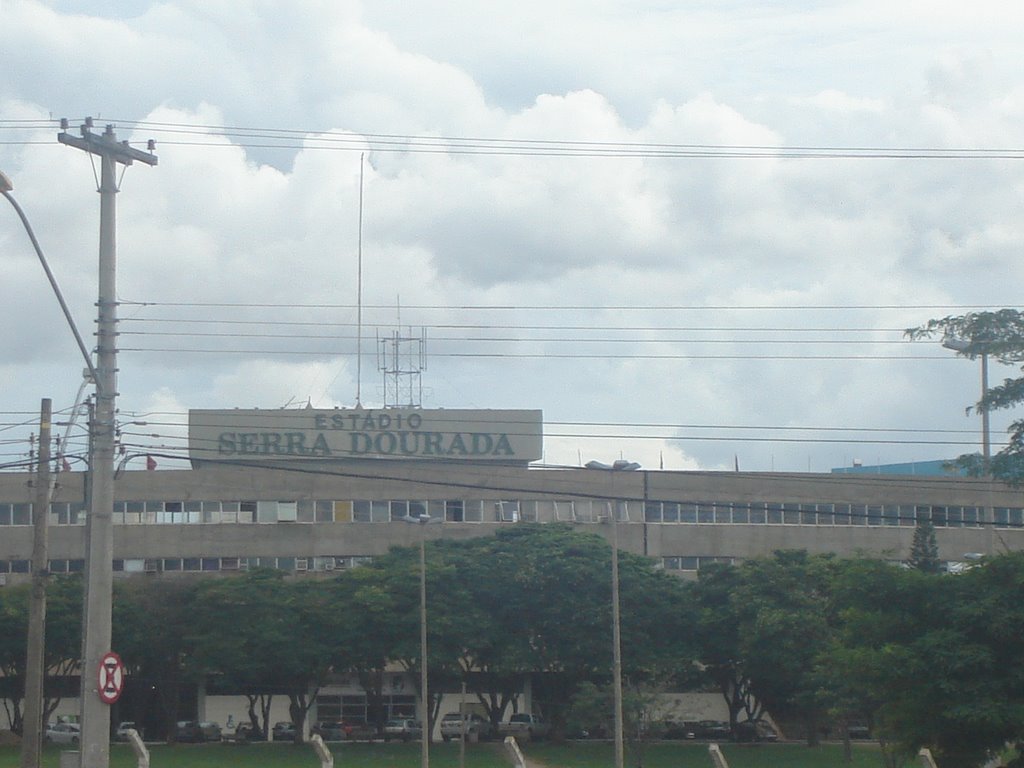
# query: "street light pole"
x,y
425,740
963,345
35,663
423,520
620,752
35,672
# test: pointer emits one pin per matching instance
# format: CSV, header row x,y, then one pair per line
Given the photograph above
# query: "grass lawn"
x,y
573,755
679,755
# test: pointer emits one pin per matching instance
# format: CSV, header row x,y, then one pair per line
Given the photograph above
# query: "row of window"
x,y
355,708
771,513
511,511
197,564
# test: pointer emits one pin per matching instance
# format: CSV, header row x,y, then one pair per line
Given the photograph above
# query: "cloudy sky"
x,y
691,233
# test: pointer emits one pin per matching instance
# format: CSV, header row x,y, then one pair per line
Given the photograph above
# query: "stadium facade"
x,y
310,492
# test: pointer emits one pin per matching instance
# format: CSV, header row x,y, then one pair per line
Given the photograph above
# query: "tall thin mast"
x,y
359,294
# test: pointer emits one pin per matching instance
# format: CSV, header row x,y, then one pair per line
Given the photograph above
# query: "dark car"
x,y
712,729
332,730
858,731
283,731
195,732
751,731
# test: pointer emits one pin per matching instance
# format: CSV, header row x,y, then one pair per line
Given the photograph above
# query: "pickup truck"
x,y
475,727
525,726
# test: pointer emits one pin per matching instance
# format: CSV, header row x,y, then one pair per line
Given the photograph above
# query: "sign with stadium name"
x,y
362,433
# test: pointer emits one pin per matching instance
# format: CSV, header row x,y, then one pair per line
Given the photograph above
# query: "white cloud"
x,y
604,243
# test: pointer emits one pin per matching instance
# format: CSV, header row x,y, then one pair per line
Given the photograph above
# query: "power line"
x,y
536,355
309,139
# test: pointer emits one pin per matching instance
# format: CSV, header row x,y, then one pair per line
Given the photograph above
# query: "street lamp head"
x,y
620,465
956,344
421,519
5,183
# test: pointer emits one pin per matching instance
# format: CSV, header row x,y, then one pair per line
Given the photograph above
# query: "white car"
x,y
64,733
121,733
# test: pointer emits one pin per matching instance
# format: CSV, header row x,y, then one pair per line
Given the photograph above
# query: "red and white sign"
x,y
111,678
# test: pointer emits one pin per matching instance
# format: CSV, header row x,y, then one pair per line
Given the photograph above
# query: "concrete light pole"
x,y
422,521
620,751
35,666
35,663
963,345
99,567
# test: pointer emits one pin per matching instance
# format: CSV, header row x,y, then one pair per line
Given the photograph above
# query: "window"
x,y
723,512
323,511
687,513
791,514
808,514
705,512
454,511
670,512
858,514
507,511
842,513
247,511
740,513
528,511
825,515
21,514
472,511
587,511
758,513
774,513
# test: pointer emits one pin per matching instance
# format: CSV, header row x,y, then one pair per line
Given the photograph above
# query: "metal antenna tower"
x,y
402,360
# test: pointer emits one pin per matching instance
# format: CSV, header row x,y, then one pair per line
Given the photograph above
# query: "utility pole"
x,y
35,664
99,577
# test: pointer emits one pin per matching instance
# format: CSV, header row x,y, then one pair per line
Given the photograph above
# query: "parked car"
x,y
283,731
244,732
674,729
121,732
474,726
332,730
756,730
858,731
195,732
523,725
64,733
405,729
712,729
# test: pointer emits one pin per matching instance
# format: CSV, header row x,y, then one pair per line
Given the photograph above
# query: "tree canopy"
x,y
1000,337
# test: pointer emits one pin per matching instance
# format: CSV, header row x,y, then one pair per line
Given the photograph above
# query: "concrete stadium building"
x,y
313,491
310,492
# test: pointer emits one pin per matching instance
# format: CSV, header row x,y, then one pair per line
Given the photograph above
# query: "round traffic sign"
x,y
111,678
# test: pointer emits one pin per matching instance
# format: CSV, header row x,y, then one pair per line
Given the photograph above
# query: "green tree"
x,y
13,631
150,621
785,609
924,550
998,336
260,635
